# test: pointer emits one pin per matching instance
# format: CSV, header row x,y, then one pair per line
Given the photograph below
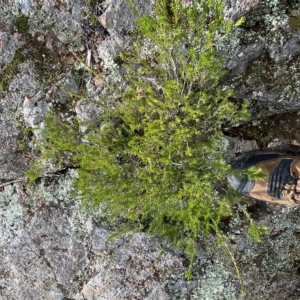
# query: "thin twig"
x,y
174,66
12,181
243,293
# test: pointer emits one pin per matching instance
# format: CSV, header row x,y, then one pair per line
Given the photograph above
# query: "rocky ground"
x,y
52,249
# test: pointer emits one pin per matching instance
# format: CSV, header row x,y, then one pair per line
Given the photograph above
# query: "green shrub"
x,y
158,155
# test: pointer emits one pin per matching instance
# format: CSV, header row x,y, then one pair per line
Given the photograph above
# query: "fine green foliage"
x,y
158,155
255,231
254,173
58,149
10,69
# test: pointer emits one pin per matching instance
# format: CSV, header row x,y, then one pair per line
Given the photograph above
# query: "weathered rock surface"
x,y
136,262
49,247
118,18
287,51
271,80
237,65
237,8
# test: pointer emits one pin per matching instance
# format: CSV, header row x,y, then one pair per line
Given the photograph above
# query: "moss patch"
x,y
21,23
295,23
10,69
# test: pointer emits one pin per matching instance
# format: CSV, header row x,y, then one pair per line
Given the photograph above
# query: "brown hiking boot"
x,y
282,184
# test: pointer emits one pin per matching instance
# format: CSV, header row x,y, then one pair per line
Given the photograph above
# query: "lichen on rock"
x,y
53,249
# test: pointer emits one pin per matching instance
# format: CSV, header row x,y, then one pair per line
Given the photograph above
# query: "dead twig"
x,y
12,181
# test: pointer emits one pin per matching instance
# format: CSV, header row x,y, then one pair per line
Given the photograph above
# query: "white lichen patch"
x,y
230,44
217,283
11,212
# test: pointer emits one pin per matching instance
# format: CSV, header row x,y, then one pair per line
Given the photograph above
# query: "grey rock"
x,y
99,239
45,249
234,9
51,249
136,262
158,293
242,244
107,51
287,52
24,5
235,145
68,23
88,111
14,146
8,44
40,257
12,163
34,110
237,65
119,21
70,85
14,167
11,212
270,82
62,21
118,18
63,254
279,144
29,261
25,103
